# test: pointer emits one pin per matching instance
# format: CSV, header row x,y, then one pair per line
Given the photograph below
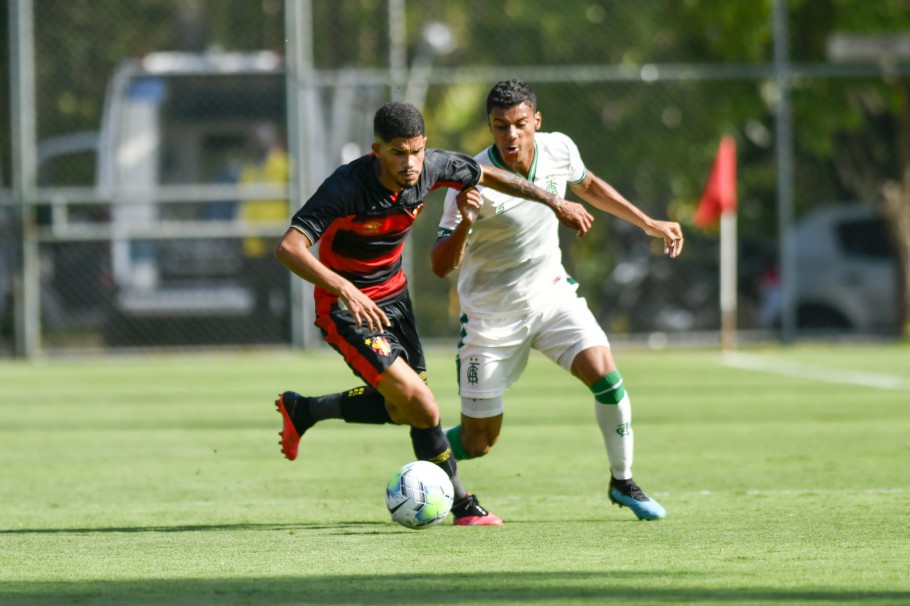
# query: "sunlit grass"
x,y
157,480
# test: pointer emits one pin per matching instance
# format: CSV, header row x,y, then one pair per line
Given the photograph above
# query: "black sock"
x,y
364,405
431,445
357,405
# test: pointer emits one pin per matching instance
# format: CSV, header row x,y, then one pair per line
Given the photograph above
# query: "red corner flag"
x,y
720,192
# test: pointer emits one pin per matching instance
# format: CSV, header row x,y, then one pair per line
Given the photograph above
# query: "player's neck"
x,y
386,179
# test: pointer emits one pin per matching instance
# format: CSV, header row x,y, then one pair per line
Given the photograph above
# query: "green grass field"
x,y
158,480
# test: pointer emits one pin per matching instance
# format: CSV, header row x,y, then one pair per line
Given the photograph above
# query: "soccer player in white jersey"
x,y
516,295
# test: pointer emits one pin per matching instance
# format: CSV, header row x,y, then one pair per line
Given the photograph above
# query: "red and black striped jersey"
x,y
361,226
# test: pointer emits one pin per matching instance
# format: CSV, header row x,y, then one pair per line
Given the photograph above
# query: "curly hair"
x,y
509,93
396,120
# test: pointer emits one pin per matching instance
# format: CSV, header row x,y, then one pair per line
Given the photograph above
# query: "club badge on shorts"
x,y
473,374
380,345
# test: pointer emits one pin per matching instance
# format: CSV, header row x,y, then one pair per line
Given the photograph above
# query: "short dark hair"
x,y
510,93
397,120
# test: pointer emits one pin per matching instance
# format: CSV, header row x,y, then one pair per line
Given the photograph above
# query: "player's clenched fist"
x,y
469,202
575,216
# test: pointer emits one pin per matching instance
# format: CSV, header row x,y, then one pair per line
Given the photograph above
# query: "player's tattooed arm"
x,y
570,214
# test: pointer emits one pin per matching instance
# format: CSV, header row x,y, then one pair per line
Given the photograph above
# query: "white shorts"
x,y
494,351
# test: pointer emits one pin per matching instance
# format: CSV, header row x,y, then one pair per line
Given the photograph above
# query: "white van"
x,y
174,138
847,273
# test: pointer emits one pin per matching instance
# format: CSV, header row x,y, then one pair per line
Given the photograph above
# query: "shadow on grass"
x,y
347,527
494,588
448,588
342,528
368,528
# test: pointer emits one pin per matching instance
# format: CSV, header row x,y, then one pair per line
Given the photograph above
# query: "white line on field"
x,y
818,373
709,493
824,491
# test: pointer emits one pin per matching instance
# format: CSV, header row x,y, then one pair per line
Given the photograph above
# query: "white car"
x,y
846,270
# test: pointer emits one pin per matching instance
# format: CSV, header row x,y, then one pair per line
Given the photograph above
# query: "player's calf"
x,y
466,445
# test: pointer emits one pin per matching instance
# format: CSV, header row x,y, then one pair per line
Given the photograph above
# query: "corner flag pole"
x,y
728,261
719,202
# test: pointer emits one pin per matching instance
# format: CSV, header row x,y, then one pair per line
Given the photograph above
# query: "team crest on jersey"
x,y
551,186
371,227
380,345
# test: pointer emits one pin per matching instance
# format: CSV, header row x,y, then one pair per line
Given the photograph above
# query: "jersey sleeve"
x,y
452,169
451,216
577,170
323,207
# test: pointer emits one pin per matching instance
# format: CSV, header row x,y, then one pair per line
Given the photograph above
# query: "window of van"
x,y
865,238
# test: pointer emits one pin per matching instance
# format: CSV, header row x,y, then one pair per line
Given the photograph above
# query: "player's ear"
x,y
537,120
376,147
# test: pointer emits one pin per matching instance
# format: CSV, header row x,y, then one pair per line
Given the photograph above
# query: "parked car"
x,y
846,280
846,270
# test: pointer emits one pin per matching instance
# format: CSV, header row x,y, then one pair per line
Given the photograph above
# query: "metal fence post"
x,y
303,144
26,290
398,61
784,159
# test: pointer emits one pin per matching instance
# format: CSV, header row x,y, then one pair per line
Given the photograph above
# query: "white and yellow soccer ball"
x,y
419,495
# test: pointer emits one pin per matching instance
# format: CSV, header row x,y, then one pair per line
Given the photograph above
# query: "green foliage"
x,y
74,63
158,480
653,140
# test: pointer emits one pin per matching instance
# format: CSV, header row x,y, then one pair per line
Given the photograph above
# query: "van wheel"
x,y
821,316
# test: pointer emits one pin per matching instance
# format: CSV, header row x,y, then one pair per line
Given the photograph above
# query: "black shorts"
x,y
368,353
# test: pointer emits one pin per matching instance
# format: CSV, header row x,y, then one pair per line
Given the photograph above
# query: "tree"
x,y
655,141
864,131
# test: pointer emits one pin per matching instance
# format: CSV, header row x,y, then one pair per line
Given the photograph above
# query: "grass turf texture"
x,y
158,480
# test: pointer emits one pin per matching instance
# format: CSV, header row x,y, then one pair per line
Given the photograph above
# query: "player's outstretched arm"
x,y
570,214
600,194
294,252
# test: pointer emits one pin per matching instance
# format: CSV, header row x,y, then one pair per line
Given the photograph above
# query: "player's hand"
x,y
363,308
575,216
672,235
469,202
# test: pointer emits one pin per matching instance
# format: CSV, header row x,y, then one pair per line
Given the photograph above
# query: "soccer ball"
x,y
419,495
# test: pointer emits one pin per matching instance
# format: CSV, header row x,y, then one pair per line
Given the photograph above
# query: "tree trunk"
x,y
895,206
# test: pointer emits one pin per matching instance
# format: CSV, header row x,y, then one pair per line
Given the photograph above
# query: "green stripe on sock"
x,y
609,390
454,436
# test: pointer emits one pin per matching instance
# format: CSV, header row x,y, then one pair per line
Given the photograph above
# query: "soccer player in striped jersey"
x,y
516,295
360,217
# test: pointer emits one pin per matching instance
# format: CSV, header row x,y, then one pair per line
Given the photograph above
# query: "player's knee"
x,y
418,412
423,418
482,408
609,389
481,423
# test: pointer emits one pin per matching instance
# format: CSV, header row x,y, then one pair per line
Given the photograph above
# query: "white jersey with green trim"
x,y
512,256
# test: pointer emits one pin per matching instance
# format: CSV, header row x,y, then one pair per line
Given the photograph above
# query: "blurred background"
x,y
152,152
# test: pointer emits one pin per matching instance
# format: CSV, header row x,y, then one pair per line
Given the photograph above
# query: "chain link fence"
x,y
173,139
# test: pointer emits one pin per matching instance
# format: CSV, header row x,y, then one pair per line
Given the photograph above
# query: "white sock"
x,y
615,422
